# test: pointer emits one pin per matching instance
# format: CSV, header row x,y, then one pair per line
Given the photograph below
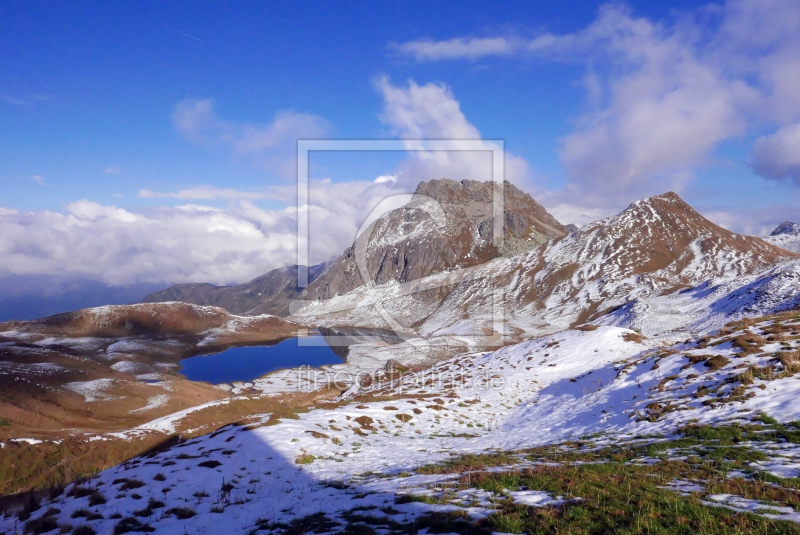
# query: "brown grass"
x,y
634,337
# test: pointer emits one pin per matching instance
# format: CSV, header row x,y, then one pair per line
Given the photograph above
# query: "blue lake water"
x,y
251,362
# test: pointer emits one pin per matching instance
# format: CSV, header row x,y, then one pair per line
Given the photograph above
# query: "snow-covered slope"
x,y
786,236
606,382
654,259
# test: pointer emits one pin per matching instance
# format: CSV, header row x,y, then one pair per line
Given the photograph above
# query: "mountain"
x,y
448,225
619,348
658,246
786,236
270,293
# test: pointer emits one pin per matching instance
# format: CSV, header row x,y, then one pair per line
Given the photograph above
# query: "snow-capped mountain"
x,y
448,225
786,236
658,248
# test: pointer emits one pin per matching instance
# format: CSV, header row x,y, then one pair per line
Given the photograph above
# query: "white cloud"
x,y
664,94
459,48
272,145
777,156
663,107
187,243
416,113
38,179
113,170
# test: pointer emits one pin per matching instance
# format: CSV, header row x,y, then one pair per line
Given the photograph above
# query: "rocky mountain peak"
x,y
787,228
670,220
786,236
656,243
408,243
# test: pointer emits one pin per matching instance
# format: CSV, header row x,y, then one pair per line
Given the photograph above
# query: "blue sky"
x,y
115,116
102,81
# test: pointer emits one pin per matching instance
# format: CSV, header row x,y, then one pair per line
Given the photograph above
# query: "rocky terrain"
x,y
787,236
270,293
659,266
448,225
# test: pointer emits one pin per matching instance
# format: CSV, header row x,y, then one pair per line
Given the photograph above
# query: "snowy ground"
x,y
608,382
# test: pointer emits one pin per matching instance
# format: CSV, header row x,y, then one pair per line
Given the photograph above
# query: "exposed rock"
x,y
786,236
787,227
418,239
270,293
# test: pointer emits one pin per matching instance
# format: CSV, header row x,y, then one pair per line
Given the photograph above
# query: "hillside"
x,y
580,430
113,367
270,293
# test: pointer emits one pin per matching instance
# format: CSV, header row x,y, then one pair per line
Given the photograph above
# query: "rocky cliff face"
x,y
270,293
448,225
787,227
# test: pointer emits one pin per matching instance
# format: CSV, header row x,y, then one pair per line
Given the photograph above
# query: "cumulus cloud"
x,y
38,179
664,109
416,113
664,95
272,146
187,243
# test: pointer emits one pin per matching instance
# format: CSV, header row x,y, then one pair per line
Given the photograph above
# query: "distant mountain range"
x,y
270,293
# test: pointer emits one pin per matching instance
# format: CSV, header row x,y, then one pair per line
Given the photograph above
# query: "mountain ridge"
x,y
269,293
409,243
656,246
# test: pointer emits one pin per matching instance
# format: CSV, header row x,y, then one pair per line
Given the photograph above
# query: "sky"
x,y
155,142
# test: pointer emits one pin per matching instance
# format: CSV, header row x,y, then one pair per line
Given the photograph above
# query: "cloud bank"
x,y
187,243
